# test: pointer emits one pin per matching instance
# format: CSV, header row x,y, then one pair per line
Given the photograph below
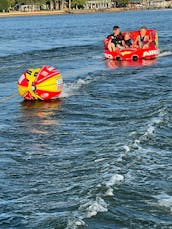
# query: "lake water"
x,y
100,156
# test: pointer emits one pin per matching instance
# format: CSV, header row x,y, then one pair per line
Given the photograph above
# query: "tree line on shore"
x,y
6,5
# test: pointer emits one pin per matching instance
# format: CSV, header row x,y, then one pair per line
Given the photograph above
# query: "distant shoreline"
x,y
60,12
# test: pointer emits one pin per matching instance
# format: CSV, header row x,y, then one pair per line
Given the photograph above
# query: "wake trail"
x,y
165,53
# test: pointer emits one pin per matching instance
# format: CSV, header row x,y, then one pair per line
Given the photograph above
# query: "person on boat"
x,y
143,39
116,40
128,42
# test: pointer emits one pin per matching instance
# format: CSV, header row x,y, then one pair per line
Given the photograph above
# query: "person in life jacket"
x,y
128,42
116,40
143,39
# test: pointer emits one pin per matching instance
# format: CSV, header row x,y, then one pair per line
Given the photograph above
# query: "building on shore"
x,y
160,4
136,4
49,5
29,8
153,4
98,4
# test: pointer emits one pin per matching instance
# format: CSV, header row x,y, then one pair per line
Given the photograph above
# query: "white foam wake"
x,y
165,53
87,210
115,179
94,206
70,89
149,132
164,200
74,223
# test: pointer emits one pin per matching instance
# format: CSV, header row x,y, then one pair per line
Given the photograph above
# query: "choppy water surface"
x,y
100,156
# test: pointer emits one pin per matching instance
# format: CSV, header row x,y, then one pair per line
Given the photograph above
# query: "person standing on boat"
x,y
115,40
143,39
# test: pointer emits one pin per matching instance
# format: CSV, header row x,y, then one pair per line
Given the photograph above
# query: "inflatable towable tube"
x,y
134,53
40,84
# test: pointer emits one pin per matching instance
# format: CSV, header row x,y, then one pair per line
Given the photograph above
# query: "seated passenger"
x,y
127,41
142,40
116,40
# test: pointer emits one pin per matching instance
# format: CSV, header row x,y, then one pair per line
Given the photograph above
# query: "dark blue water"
x,y
100,156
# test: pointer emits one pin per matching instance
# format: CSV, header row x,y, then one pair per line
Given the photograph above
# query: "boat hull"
x,y
132,54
